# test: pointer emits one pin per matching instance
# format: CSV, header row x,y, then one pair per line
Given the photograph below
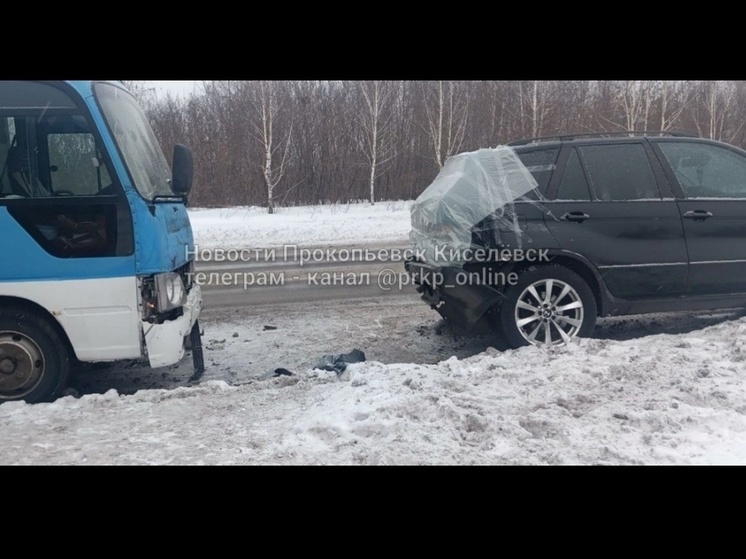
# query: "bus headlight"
x,y
170,291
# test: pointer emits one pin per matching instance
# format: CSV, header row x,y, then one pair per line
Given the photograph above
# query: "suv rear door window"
x,y
633,238
540,164
573,185
620,172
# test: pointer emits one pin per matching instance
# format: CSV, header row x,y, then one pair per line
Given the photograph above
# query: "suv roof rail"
x,y
563,137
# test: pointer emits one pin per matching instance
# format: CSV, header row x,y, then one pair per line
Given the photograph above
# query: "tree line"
x,y
280,143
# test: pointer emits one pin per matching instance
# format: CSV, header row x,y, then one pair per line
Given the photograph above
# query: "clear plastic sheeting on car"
x,y
471,187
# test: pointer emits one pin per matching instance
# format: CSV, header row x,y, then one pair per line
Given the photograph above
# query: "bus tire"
x,y
34,360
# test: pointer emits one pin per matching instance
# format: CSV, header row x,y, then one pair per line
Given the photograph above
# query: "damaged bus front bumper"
x,y
166,342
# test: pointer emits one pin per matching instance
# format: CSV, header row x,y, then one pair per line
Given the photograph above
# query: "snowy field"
x,y
347,225
639,392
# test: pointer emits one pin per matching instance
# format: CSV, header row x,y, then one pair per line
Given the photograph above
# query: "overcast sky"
x,y
178,88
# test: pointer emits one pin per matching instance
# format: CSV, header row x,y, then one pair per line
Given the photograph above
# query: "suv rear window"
x,y
540,164
620,172
573,185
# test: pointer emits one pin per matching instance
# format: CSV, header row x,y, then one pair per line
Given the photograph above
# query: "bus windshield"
x,y
136,141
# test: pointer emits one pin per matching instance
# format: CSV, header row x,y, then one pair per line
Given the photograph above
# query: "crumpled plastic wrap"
x,y
470,187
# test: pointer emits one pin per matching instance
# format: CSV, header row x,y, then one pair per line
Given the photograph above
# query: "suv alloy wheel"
x,y
548,305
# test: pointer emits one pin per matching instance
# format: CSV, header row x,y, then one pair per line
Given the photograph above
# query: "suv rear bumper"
x,y
459,296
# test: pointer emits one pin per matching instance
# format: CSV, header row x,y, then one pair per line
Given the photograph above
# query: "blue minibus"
x,y
96,247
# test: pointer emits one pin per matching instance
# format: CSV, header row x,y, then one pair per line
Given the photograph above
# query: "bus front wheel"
x,y
34,361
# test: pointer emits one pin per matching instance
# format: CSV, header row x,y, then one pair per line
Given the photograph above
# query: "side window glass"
x,y
19,177
7,133
47,156
540,164
574,185
706,171
620,172
75,166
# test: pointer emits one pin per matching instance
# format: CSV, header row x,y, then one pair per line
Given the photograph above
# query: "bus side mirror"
x,y
183,170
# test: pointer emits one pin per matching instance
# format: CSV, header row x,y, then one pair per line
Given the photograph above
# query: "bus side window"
x,y
67,230
21,178
75,166
4,147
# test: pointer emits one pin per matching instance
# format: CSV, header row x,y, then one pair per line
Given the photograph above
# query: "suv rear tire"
x,y
548,305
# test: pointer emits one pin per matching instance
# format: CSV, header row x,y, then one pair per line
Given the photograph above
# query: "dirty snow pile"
x,y
662,399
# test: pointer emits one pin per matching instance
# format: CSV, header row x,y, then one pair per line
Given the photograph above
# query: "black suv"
x,y
540,237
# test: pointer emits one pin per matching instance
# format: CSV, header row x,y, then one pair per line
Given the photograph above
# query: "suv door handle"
x,y
698,215
578,217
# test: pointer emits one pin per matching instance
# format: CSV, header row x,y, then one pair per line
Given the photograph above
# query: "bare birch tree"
x,y
374,119
716,102
634,98
275,144
674,98
446,112
536,106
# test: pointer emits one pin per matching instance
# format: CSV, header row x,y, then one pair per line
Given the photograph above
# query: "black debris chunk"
x,y
339,362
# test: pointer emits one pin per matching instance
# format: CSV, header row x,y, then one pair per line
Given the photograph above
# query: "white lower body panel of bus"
x,y
102,318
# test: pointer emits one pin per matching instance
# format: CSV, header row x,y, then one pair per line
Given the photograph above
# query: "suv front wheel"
x,y
548,305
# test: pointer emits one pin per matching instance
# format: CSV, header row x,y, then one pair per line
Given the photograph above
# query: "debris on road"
x,y
338,363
